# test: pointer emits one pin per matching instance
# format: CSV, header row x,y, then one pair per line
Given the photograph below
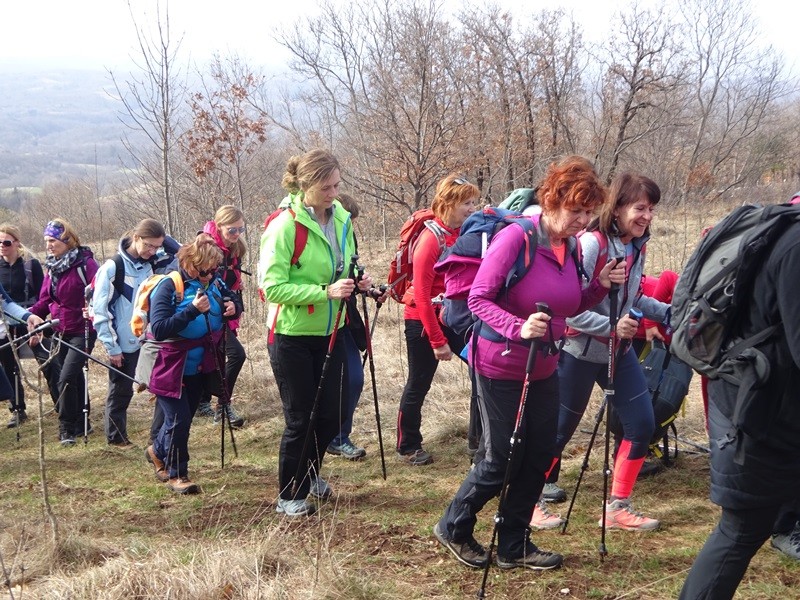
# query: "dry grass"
x,y
123,535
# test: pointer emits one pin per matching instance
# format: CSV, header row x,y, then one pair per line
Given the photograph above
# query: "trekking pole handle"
x,y
615,286
635,313
544,308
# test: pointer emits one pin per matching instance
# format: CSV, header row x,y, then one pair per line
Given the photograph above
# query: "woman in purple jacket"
x,y
569,195
70,267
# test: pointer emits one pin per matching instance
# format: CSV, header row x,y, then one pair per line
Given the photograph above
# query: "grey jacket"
x,y
594,323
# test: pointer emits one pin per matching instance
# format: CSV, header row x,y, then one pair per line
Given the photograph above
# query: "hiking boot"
x,y
66,439
121,444
158,465
469,553
236,421
543,519
788,543
650,468
320,489
347,450
183,485
204,410
22,415
417,458
295,508
620,515
552,493
532,558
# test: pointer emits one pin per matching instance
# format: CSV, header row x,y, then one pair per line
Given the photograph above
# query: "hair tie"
x,y
54,230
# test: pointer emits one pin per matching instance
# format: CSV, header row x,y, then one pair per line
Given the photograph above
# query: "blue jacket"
x,y
112,316
15,314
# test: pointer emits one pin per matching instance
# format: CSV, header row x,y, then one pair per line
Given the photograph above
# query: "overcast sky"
x,y
100,33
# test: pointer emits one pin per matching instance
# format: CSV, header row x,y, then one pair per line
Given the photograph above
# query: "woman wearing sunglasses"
x,y
227,230
115,288
70,267
21,276
190,326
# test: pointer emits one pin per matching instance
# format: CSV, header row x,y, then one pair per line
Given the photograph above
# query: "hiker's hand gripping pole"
x,y
302,467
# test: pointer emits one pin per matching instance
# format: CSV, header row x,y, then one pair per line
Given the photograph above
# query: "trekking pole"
x,y
634,313
375,293
368,332
318,396
498,518
222,399
87,295
97,360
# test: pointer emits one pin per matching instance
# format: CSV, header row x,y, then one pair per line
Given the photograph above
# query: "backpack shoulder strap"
x,y
177,280
119,278
300,239
27,265
527,254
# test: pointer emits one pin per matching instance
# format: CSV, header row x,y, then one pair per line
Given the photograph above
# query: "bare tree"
x,y
152,100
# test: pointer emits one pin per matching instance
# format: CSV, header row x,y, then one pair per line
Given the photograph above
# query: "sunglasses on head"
x,y
235,230
7,243
460,181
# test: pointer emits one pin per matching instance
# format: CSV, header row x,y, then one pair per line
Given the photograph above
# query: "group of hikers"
x,y
538,346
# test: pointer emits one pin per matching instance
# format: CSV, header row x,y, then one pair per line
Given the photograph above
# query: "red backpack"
x,y
401,269
300,240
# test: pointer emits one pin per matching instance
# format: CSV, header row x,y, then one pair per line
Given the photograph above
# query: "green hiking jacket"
x,y
300,290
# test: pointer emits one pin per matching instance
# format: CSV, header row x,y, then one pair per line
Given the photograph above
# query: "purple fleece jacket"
x,y
506,311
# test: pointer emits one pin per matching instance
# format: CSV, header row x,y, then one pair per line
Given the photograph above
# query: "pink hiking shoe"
x,y
620,515
543,519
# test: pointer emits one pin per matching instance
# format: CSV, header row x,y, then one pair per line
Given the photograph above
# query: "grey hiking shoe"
x,y
347,450
469,553
532,558
320,489
295,508
237,421
552,493
17,418
204,410
417,458
788,543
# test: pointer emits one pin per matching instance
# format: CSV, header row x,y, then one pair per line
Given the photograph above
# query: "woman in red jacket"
x,y
427,340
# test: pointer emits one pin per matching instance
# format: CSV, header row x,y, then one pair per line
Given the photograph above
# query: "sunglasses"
x,y
206,273
7,243
235,230
460,181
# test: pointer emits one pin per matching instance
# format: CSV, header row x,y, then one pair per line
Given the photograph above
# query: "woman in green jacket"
x,y
303,269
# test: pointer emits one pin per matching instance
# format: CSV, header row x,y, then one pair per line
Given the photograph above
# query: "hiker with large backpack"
x,y
114,289
305,350
187,316
509,323
428,340
751,354
70,268
620,232
21,276
227,229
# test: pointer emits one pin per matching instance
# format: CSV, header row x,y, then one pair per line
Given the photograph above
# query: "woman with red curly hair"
x,y
427,340
569,195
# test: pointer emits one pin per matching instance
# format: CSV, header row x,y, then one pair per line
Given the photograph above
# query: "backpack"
x,y
461,261
712,293
401,268
300,240
118,285
520,199
140,317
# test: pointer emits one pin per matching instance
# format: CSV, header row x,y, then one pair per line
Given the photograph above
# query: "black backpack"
x,y
713,291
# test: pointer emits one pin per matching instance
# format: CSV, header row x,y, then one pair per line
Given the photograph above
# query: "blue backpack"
x,y
459,263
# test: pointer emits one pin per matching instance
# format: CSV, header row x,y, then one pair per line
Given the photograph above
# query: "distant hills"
x,y
57,124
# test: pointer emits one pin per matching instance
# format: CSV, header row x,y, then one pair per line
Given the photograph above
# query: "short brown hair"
x,y
626,189
148,228
350,205
203,252
571,183
450,192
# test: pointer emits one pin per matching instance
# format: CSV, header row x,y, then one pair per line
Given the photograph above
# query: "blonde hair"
x,y
200,253
305,170
14,232
450,192
228,214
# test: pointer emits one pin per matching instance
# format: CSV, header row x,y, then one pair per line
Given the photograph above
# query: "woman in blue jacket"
x,y
189,324
113,307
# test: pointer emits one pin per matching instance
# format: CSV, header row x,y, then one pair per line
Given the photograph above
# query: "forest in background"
x,y
689,93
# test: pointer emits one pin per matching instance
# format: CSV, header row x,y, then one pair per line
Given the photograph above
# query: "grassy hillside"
x,y
121,534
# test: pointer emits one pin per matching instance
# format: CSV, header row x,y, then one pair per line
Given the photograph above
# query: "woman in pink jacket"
x,y
510,321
